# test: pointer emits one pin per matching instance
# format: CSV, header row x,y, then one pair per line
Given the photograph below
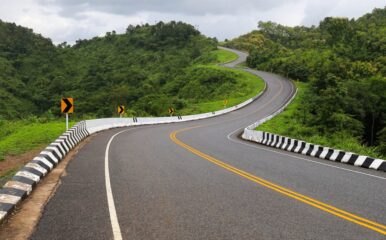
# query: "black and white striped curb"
x,y
22,183
309,149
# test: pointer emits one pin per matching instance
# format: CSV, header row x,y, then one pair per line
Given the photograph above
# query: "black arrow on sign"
x,y
121,109
68,105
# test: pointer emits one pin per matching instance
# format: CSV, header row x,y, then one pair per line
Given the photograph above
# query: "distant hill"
x,y
144,69
24,58
344,63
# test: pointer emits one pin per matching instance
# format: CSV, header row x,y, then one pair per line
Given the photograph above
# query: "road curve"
x,y
198,180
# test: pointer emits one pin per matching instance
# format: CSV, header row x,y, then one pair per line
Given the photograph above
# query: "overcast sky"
x,y
69,20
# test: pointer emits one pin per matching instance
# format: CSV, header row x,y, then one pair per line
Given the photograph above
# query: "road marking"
x,y
110,199
266,148
380,228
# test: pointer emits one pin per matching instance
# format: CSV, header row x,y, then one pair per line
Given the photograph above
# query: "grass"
x,y
7,176
247,86
224,56
287,124
18,137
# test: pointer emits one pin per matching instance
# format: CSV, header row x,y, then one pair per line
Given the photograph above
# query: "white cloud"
x,y
69,20
318,10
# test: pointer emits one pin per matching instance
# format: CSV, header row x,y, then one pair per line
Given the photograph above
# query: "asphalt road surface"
x,y
198,180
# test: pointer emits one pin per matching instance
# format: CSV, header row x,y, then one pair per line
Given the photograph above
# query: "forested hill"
x,y
147,69
342,61
25,58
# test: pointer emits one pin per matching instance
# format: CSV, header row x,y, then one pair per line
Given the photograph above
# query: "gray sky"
x,y
69,20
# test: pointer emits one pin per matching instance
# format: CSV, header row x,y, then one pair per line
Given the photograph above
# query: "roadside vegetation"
x,y
17,137
238,87
343,64
148,69
290,123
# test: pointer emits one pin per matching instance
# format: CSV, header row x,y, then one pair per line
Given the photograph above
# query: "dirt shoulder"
x,y
11,164
22,222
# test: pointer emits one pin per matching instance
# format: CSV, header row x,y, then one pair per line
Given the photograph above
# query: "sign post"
x,y
67,106
66,121
225,103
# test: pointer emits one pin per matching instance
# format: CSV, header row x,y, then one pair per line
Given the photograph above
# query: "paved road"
x,y
205,183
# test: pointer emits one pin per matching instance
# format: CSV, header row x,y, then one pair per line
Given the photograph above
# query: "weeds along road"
x,y
197,180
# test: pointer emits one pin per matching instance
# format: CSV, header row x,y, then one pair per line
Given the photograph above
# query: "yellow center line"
x,y
305,199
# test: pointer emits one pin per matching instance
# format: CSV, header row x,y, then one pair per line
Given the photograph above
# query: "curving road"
x,y
198,180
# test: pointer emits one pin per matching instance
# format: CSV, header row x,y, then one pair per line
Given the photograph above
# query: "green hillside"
x,y
147,69
343,62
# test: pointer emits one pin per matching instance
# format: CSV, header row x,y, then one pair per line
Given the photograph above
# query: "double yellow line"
x,y
308,200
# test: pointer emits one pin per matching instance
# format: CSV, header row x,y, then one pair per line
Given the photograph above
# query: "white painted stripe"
x,y
2,215
324,153
51,155
75,135
45,161
274,140
334,155
360,160
306,148
62,142
268,139
73,138
19,185
279,141
291,145
6,198
265,138
37,167
29,175
56,151
67,140
346,157
110,199
376,163
285,143
298,146
316,148
59,146
70,140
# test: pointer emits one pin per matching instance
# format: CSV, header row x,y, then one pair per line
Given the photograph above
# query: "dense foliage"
x,y
147,69
344,62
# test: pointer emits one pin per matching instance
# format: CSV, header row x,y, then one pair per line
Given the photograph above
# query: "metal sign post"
x,y
66,121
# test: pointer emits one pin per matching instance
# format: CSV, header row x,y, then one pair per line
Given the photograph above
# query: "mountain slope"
x,y
343,61
148,69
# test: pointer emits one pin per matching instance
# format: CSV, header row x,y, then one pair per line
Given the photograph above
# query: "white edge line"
x,y
254,145
110,199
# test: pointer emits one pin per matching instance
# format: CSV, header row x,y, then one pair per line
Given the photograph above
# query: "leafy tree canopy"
x,y
343,60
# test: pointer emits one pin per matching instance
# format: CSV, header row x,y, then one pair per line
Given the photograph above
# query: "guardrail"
x,y
309,149
25,180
